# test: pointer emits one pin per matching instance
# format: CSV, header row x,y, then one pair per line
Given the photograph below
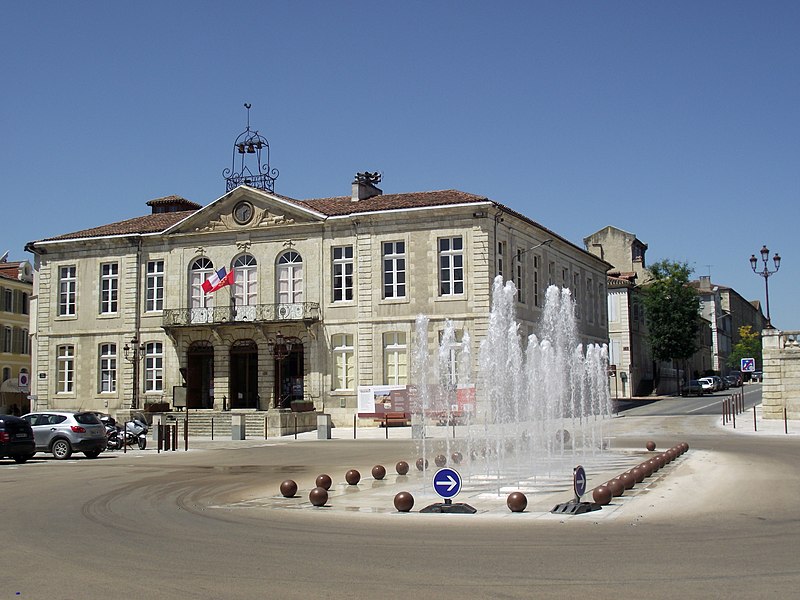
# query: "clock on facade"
x,y
243,212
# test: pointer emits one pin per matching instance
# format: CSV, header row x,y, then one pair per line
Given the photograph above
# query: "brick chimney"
x,y
364,186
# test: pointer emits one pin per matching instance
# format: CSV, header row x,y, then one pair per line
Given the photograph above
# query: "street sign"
x,y
23,382
579,481
748,365
447,483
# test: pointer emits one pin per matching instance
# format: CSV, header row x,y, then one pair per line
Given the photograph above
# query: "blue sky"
x,y
677,121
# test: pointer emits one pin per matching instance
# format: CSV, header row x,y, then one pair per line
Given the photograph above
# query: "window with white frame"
x,y
520,276
394,269
290,278
536,263
154,288
453,356
245,280
108,368
109,288
342,257
344,361
67,291
451,266
65,369
395,358
154,367
199,271
613,307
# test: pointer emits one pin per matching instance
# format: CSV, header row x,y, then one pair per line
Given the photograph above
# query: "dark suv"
x,y
16,439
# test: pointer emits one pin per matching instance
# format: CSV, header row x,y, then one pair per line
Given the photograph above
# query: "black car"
x,y
16,439
693,387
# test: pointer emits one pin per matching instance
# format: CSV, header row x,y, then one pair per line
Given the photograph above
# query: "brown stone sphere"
x,y
457,457
647,468
324,481
422,463
638,474
665,459
602,495
627,480
401,468
440,460
655,464
516,501
288,488
352,477
651,445
318,496
378,472
403,501
685,446
616,486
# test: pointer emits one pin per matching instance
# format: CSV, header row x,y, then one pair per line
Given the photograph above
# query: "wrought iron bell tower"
x,y
247,155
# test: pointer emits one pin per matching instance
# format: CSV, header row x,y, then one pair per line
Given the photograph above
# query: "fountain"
x,y
530,413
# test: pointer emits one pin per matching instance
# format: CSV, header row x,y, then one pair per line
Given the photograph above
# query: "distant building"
x,y
324,297
16,285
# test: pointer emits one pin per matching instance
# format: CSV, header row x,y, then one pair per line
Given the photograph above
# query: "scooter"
x,y
135,432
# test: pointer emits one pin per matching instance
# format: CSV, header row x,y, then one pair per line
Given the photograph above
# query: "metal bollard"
x,y
295,426
212,428
386,424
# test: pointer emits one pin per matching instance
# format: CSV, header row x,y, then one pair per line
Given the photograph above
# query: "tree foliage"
x,y
748,346
673,311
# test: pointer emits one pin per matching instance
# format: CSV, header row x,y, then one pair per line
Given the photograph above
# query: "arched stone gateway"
x,y
200,375
243,379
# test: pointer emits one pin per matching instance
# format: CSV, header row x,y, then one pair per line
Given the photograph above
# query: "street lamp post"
x,y
132,354
765,273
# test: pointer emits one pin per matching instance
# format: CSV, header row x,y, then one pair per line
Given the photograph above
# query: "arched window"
x,y
200,270
290,278
245,287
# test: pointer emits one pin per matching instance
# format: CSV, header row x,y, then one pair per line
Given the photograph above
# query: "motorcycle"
x,y
134,432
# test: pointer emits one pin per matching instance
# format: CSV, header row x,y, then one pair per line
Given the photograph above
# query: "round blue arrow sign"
x,y
447,483
579,481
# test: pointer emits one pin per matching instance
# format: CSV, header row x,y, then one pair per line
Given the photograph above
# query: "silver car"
x,y
63,432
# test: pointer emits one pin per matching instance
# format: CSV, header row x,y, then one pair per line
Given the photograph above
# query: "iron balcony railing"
x,y
257,313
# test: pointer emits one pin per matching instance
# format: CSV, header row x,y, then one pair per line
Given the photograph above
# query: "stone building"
x,y
16,284
324,297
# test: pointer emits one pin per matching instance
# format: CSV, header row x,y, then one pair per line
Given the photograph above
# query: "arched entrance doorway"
x,y
200,375
287,352
243,380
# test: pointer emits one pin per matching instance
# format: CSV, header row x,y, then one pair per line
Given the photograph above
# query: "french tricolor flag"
x,y
217,280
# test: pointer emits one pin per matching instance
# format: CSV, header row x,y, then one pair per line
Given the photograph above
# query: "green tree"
x,y
748,346
672,307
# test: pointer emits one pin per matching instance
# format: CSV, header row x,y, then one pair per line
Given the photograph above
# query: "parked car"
x,y
63,432
16,439
693,387
719,383
756,376
708,384
732,381
737,377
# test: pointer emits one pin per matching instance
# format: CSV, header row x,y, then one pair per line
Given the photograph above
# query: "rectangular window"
x,y
155,286
501,253
25,303
453,356
591,307
520,276
451,266
551,273
394,269
154,367
576,280
564,277
109,288
65,369
8,300
536,263
7,339
67,291
613,307
600,293
342,273
26,342
395,358
108,368
344,362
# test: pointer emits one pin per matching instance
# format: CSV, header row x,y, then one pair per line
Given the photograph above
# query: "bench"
x,y
394,419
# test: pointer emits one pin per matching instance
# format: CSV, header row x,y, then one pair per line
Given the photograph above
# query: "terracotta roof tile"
x,y
146,224
344,205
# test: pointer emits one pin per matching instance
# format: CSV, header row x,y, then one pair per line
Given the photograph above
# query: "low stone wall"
x,y
780,352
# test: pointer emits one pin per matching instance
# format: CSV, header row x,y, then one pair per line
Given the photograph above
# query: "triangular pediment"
x,y
246,209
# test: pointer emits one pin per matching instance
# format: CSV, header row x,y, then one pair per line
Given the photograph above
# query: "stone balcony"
x,y
305,312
